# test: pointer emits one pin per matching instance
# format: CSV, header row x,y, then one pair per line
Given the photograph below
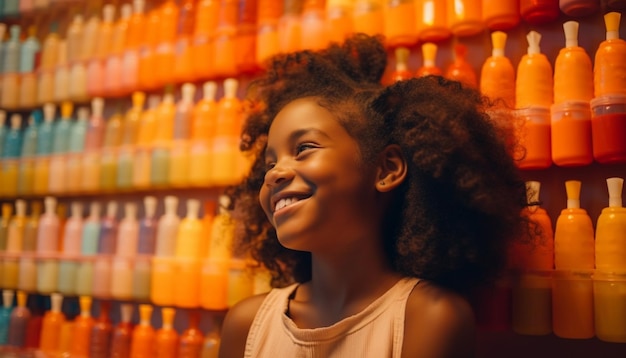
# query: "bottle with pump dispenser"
x,y
202,130
497,76
103,40
267,43
58,160
166,337
179,154
164,133
429,67
5,315
163,276
125,156
45,139
107,244
26,174
609,279
608,107
81,332
28,78
11,154
10,79
226,158
572,289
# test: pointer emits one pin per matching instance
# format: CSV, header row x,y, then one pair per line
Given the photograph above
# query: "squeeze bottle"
x,y
102,39
164,48
68,265
15,235
91,231
429,54
18,323
29,52
609,71
163,276
183,65
148,227
51,326
121,337
133,44
267,42
107,241
5,315
497,77
165,116
189,251
48,234
226,162
113,82
166,337
202,130
573,74
610,244
148,74
143,336
81,332
26,175
534,82
101,333
431,21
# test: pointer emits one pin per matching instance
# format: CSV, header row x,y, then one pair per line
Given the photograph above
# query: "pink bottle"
x,y
72,240
48,248
126,250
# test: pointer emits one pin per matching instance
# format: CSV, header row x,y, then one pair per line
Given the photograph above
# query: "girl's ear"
x,y
392,168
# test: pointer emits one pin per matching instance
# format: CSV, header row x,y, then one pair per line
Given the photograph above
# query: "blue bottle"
x,y
29,143
79,131
5,315
13,139
46,130
62,129
3,130
91,231
12,49
30,49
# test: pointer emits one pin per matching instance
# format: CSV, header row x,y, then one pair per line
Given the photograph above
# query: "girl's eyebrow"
x,y
293,136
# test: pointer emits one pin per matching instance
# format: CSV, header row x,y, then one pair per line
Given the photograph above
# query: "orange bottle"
x,y
571,133
497,77
192,338
339,19
610,244
429,53
461,70
83,325
183,64
399,23
133,45
51,326
574,251
500,14
225,160
113,81
609,71
245,38
431,20
122,333
267,36
314,33
289,26
164,53
101,333
189,249
148,72
368,17
48,61
103,41
224,44
202,130
401,71
143,337
573,74
207,17
145,139
166,337
534,85
465,17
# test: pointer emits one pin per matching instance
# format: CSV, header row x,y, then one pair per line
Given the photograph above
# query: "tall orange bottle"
x,y
113,80
51,326
133,45
160,164
148,73
609,71
224,44
143,337
225,161
267,36
573,73
79,45
97,65
368,17
166,337
192,338
164,52
83,325
574,251
497,76
202,129
431,20
143,149
429,67
48,61
183,66
315,30
207,17
289,26
189,251
339,19
399,23
179,154
461,70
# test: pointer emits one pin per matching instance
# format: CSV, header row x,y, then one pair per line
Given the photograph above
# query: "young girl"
x,y
376,209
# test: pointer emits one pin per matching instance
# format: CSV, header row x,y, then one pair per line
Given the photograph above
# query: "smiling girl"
x,y
377,209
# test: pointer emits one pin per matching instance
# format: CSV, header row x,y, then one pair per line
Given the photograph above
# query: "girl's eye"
x,y
303,147
269,166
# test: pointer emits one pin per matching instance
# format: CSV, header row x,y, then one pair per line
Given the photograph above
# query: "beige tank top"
x,y
377,331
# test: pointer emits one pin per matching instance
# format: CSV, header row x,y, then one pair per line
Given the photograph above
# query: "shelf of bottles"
x,y
572,112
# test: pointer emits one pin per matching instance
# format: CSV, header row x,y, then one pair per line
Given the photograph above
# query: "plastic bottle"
x,y
58,160
609,71
48,61
465,17
368,17
15,232
76,146
225,162
267,36
128,235
5,315
72,238
207,16
539,12
148,227
26,175
108,160
101,333
610,243
572,291
573,74
45,138
121,337
125,155
94,140
401,71
461,70
28,80
165,115
3,118
579,8
339,19
7,211
245,37
91,230
166,337
189,251
19,322
183,63
534,82
77,72
223,51
212,340
83,325
11,64
164,51
51,326
202,129
430,20
142,167
148,78
497,77
107,241
103,41
399,23
12,237
191,339
31,227
134,39
429,53
143,336
501,15
13,138
289,26
48,245
62,70
179,153
163,275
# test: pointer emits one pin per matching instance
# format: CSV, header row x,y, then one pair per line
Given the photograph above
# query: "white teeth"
x,y
284,203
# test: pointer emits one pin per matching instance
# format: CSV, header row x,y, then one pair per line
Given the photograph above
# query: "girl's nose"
x,y
278,174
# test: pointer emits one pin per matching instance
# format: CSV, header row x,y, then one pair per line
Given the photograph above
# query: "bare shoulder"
x,y
438,324
236,326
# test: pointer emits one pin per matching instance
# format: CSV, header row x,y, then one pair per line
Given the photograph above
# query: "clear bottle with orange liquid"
x,y
143,336
574,261
497,76
166,337
431,20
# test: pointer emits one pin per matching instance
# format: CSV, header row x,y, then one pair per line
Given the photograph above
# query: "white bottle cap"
x,y
615,186
193,208
150,204
209,90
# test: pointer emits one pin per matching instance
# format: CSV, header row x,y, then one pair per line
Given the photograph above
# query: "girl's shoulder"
x,y
237,325
438,323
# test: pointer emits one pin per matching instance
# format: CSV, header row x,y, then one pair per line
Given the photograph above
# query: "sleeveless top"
x,y
377,331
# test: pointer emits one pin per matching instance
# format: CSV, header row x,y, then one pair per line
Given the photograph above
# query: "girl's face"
x,y
317,191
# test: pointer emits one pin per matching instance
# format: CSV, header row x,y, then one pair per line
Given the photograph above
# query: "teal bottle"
x,y
62,129
29,143
91,231
3,130
79,131
5,315
30,49
3,31
46,131
12,50
13,139
11,8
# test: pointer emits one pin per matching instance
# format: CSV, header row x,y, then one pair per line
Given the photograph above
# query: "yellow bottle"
x,y
611,231
226,161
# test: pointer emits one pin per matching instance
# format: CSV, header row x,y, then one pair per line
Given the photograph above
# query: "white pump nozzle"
x,y
153,101
188,91
48,112
571,33
16,121
230,88
126,11
150,204
532,192
126,314
615,186
130,210
223,203
572,187
209,90
138,6
533,38
56,302
108,12
82,113
97,106
50,204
